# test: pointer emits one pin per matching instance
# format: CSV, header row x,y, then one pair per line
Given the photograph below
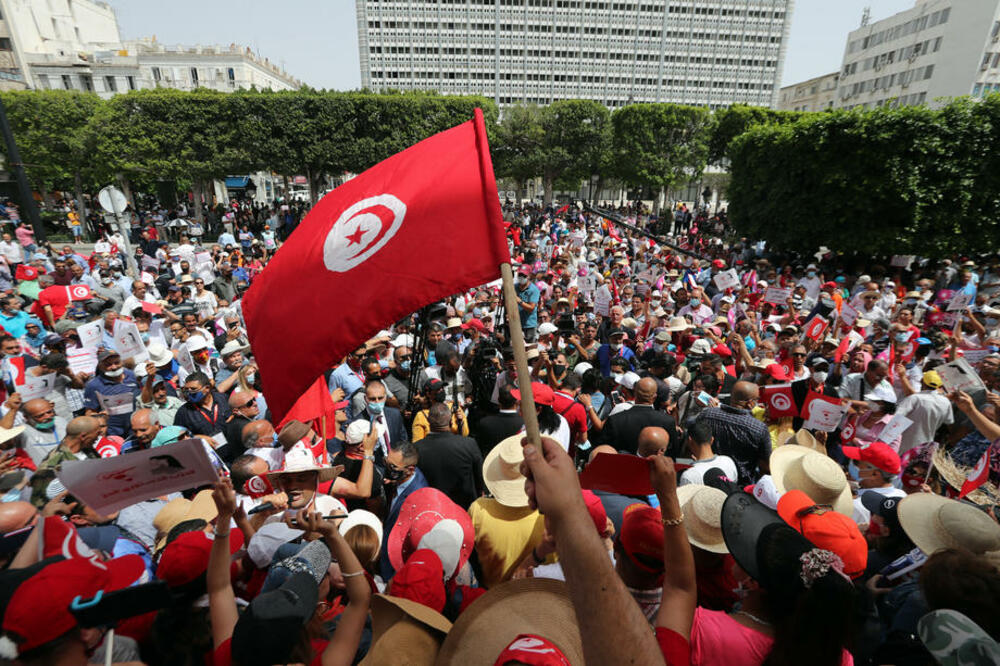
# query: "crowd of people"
x,y
746,457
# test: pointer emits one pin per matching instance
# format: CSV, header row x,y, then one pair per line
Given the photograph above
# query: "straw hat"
x,y
404,632
502,472
300,459
702,509
537,606
7,434
678,324
934,523
818,476
178,510
803,437
955,476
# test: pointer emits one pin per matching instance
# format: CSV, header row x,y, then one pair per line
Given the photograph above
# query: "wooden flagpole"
x,y
520,356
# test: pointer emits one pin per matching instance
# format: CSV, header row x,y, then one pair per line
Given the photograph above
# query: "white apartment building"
x,y
76,45
938,50
814,94
701,52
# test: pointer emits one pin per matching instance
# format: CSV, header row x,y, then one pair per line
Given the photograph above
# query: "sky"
x,y
316,40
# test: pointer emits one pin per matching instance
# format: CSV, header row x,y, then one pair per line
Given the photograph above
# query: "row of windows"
x,y
981,89
193,71
606,6
893,102
887,81
987,58
575,78
901,30
616,32
896,55
86,82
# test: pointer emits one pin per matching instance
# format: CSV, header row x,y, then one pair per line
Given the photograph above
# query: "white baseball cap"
x,y
629,379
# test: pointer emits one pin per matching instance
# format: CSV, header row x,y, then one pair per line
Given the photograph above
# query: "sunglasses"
x,y
797,355
249,403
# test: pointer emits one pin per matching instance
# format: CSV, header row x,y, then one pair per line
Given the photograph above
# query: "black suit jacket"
x,y
622,429
394,423
453,465
494,428
385,567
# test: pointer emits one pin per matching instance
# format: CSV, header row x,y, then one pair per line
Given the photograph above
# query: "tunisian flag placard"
x,y
417,227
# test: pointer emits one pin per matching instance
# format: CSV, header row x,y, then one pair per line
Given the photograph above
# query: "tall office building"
x,y
702,52
937,50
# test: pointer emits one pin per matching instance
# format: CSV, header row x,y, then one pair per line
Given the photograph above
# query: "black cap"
x,y
617,331
884,507
269,628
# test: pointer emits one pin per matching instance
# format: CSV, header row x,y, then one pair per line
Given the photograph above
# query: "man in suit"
x,y
404,477
388,421
622,430
453,464
494,428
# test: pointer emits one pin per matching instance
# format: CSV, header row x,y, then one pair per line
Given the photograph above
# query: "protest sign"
x,y
82,361
959,376
36,387
815,327
117,404
777,295
151,264
975,356
727,280
602,301
91,334
960,301
128,340
107,485
822,412
202,258
151,308
894,428
901,260
184,358
586,284
617,473
848,315
147,278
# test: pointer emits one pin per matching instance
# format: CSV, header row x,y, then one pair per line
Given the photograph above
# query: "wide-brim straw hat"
x,y
678,324
934,523
502,472
804,438
955,476
795,467
537,606
404,632
178,510
702,509
300,459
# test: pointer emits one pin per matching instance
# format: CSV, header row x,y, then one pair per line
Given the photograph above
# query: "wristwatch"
x,y
372,458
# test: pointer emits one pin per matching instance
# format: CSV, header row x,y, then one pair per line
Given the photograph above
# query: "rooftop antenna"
x,y
866,16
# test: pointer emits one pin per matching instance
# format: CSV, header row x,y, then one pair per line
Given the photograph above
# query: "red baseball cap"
x,y
642,537
829,285
826,529
879,454
596,510
718,263
186,557
722,350
421,580
476,324
777,372
39,610
542,393
532,650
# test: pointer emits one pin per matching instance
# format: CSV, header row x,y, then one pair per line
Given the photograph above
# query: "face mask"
x,y
617,376
114,373
376,408
559,369
820,376
431,359
144,336
694,303
902,337
46,426
196,396
655,303
615,346
251,377
405,365
811,274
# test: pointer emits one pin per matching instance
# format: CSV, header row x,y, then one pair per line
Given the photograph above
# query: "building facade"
x,y
702,52
929,54
76,45
813,95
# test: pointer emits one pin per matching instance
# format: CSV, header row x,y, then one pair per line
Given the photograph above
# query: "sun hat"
x,y
953,639
876,453
404,627
426,511
362,517
547,328
421,579
542,394
934,523
158,354
502,472
179,510
804,438
700,347
702,509
882,393
196,343
232,347
825,529
537,606
7,434
300,459
39,609
795,467
582,368
265,543
291,432
402,340
628,380
748,528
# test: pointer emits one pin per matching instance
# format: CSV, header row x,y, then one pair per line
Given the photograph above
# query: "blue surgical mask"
x,y
376,408
274,440
902,337
196,396
46,426
405,365
431,358
144,336
811,274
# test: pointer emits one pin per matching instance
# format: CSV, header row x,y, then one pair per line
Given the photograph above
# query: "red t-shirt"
x,y
55,297
574,413
223,655
675,648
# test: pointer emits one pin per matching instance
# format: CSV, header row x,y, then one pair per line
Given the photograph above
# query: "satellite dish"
x,y
112,200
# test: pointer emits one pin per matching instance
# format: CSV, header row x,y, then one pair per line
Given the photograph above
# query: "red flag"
x,y
779,400
258,486
418,226
16,370
312,406
562,210
815,327
848,431
978,475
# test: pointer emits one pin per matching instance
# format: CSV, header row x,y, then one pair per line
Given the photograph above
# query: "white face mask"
x,y
616,346
617,376
114,373
820,376
655,303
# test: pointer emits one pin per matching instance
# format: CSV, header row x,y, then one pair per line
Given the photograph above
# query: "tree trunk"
x,y
596,195
81,208
313,180
548,182
46,195
196,190
126,189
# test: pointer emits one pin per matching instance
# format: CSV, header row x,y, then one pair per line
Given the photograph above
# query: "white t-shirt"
x,y
696,473
928,410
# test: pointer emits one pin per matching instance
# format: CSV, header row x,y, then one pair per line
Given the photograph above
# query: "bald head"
x,y
602,448
82,425
653,440
258,433
38,410
743,394
15,515
145,426
439,417
645,391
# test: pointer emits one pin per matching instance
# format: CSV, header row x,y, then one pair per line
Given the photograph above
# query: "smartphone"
x,y
903,565
616,398
703,398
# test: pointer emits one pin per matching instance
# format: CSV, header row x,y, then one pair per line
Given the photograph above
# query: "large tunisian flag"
x,y
421,225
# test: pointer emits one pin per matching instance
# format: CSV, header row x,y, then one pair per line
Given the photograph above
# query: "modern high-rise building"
x,y
702,52
931,53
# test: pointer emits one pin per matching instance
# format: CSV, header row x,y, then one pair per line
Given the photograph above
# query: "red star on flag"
x,y
355,238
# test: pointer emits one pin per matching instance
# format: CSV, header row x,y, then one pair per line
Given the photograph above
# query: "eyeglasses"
x,y
249,403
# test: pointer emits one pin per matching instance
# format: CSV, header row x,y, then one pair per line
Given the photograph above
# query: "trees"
x,y
517,150
50,127
576,134
910,180
732,121
659,145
